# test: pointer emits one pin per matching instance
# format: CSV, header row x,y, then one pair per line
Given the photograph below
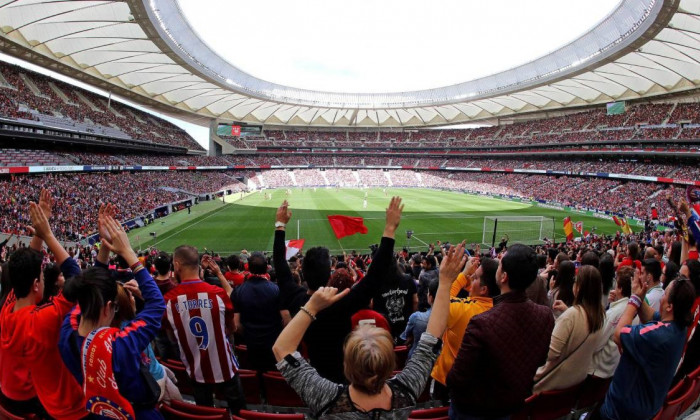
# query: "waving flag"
x,y
579,227
654,213
625,226
293,247
568,228
345,225
617,221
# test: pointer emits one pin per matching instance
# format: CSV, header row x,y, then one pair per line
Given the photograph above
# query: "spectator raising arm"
x,y
449,270
42,230
636,306
45,203
363,291
106,210
292,294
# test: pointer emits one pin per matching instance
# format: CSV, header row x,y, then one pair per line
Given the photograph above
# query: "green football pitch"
x,y
248,223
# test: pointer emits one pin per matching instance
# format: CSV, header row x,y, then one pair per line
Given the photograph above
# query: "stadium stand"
x,y
618,165
37,98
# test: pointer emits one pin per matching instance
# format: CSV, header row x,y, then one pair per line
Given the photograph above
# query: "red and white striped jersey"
x,y
198,313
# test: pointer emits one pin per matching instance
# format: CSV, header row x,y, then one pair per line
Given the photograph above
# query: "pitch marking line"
x,y
191,224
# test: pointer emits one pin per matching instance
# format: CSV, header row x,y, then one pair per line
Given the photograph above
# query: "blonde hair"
x,y
369,358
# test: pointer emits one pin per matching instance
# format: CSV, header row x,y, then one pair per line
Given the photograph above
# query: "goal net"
x,y
528,230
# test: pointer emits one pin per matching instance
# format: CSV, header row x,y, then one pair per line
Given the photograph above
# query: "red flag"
x,y
236,130
617,221
293,247
579,227
654,213
345,225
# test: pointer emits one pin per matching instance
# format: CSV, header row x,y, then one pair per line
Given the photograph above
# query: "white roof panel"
x,y
147,50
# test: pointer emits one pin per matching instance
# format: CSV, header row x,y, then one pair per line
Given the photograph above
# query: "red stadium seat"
x,y
278,392
549,405
677,396
254,415
593,391
6,415
251,386
430,413
184,383
692,395
171,413
401,356
197,409
241,351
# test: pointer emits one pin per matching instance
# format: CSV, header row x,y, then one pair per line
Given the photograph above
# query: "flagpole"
x,y
298,228
341,245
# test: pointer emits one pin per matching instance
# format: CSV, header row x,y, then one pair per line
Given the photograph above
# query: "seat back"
x,y
241,351
593,391
278,392
675,398
197,409
251,386
184,383
6,415
171,413
429,413
691,394
254,415
401,353
551,405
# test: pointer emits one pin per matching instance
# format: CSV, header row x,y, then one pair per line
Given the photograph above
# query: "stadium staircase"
x,y
60,94
32,87
88,102
388,178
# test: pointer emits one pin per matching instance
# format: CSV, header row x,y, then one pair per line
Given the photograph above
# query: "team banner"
x,y
579,227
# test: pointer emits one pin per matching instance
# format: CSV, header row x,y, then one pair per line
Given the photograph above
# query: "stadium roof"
x,y
145,50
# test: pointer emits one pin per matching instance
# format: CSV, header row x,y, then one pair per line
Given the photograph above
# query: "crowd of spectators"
x,y
639,122
137,194
33,96
522,319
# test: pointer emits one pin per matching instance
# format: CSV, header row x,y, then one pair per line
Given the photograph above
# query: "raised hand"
x,y
451,264
118,242
324,297
283,213
46,202
393,215
40,222
133,287
471,266
110,210
639,286
559,306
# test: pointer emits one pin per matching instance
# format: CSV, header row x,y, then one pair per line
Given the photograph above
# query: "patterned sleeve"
x,y
418,368
313,389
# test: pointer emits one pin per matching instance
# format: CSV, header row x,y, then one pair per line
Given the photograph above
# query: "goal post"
x,y
528,230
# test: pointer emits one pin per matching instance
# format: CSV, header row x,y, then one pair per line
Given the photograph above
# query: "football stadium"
x,y
288,210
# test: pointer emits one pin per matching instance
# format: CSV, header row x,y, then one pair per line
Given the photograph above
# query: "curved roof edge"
x,y
114,45
628,22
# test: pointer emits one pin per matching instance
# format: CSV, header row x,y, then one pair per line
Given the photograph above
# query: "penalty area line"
x,y
191,224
